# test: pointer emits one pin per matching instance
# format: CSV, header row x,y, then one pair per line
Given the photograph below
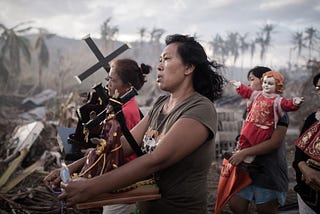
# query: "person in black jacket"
x,y
307,152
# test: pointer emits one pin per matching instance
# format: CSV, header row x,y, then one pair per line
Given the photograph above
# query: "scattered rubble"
x,y
28,151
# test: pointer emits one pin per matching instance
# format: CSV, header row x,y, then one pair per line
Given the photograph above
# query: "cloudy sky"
x,y
76,18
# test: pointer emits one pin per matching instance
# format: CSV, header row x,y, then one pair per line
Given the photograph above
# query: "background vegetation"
x,y
31,62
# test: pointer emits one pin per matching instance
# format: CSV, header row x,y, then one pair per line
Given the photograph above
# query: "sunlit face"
x,y
269,85
116,84
171,70
254,82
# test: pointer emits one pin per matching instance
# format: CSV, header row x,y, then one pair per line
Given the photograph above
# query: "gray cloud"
x,y
208,17
76,18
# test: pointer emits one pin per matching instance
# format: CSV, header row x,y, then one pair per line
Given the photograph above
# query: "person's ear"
x,y
189,69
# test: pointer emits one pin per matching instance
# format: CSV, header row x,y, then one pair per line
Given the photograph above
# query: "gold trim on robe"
x,y
309,141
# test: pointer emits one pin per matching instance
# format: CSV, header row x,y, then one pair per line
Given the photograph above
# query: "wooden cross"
x,y
103,61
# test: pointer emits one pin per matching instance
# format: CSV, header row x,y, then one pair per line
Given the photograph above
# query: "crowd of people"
x,y
177,137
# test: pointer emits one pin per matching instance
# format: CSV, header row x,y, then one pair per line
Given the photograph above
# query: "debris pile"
x,y
29,151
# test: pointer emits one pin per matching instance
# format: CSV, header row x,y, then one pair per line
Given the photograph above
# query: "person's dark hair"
x,y
316,79
206,80
258,71
130,73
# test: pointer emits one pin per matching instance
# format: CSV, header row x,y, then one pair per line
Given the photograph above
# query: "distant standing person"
x,y
307,161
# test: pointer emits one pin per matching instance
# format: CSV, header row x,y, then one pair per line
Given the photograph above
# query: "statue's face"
x,y
269,85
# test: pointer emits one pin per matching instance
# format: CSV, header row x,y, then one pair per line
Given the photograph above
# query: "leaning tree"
x,y
43,53
14,48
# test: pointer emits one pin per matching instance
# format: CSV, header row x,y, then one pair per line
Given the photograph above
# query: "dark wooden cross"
x,y
103,61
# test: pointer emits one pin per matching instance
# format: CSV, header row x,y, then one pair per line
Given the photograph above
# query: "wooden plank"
x,y
141,193
28,171
125,200
23,139
13,166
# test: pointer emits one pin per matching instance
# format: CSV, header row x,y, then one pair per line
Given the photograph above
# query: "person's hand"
x,y
298,100
77,190
236,84
237,157
311,177
52,180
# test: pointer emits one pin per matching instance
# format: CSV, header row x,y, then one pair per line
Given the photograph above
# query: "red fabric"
x,y
252,135
245,91
232,180
131,113
263,114
262,111
287,105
